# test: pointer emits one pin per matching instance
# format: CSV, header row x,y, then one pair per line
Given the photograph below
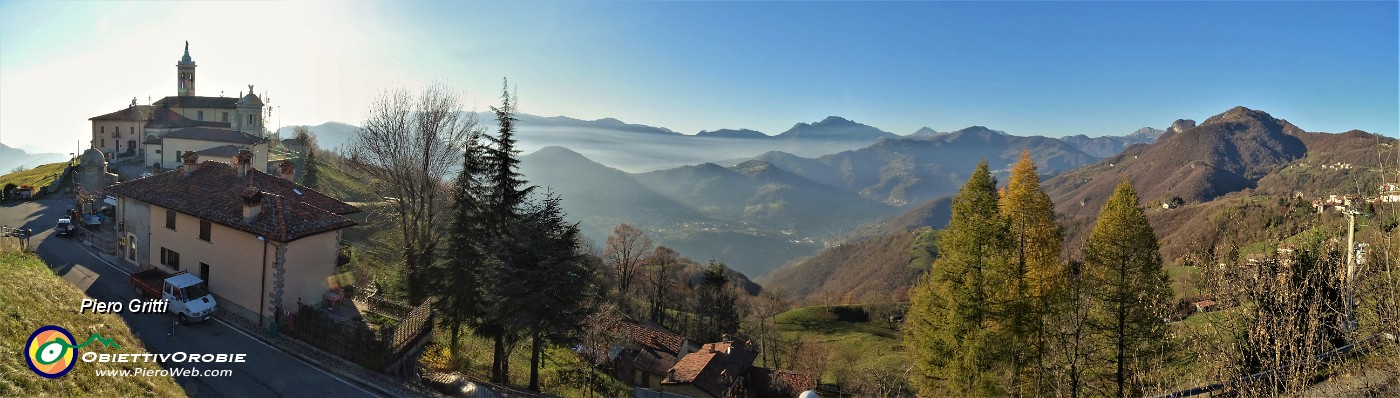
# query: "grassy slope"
x,y
37,177
340,184
32,296
875,346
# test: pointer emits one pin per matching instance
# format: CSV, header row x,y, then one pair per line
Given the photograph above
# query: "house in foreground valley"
x,y
262,242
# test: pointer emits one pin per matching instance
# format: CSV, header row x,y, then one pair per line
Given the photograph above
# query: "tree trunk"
x,y
535,347
456,332
498,357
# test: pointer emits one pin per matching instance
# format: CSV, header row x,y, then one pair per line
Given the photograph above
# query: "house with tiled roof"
x,y
262,242
648,353
717,370
206,122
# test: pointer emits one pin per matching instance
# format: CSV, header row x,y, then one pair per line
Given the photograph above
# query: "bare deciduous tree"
x,y
624,251
408,145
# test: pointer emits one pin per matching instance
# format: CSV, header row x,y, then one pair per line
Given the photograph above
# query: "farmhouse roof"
x,y
714,368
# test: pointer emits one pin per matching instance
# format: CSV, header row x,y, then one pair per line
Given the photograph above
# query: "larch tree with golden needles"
x,y
1036,274
954,330
1128,292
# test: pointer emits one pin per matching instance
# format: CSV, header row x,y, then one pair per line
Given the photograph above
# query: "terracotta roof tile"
x,y
715,368
213,192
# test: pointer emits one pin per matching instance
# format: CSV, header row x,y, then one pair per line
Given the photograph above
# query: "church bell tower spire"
x,y
185,73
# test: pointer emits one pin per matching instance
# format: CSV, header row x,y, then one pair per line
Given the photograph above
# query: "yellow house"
x,y
262,243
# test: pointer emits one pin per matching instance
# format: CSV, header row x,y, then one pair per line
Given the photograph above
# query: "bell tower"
x,y
185,74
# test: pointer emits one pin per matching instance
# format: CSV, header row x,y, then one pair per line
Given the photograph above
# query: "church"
x,y
158,134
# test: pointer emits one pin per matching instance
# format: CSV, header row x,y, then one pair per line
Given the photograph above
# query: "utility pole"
x,y
1350,286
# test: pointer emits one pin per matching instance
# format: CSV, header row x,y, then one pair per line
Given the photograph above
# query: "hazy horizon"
x,y
1051,69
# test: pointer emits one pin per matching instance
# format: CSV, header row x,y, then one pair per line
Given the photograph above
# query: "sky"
x,y
1028,68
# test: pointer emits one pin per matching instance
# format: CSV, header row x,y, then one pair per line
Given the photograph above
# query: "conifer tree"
x,y
1036,273
552,279
954,330
1128,290
456,277
504,209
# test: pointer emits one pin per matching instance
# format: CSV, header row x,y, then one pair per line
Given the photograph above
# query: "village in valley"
x,y
439,234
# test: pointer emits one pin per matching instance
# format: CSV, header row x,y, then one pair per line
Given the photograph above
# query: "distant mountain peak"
x,y
922,131
1181,125
1147,132
732,133
1239,113
835,127
980,130
835,120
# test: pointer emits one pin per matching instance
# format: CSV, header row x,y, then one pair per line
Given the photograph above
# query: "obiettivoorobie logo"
x,y
51,351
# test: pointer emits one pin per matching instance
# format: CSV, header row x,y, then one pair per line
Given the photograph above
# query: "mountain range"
x,y
1218,168
761,211
12,158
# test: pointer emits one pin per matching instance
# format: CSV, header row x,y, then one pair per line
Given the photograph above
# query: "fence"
x,y
391,349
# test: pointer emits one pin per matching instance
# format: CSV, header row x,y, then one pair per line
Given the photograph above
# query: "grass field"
x,y
37,177
341,185
855,342
31,296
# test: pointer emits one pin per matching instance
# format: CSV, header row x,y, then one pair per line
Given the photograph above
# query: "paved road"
x,y
267,372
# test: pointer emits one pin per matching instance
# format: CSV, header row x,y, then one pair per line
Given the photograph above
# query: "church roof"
x,y
213,134
191,101
157,117
139,112
213,192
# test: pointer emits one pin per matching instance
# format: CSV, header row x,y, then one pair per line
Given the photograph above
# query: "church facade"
x,y
161,132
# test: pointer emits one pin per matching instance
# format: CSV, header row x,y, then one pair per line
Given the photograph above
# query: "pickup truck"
x,y
188,296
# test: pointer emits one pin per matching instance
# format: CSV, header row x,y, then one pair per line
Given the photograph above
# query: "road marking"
x,y
240,331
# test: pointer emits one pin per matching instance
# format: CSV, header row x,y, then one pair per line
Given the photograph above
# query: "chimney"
x,y
242,160
191,160
252,203
287,170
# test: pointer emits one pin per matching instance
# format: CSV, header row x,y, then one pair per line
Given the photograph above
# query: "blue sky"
x,y
1047,68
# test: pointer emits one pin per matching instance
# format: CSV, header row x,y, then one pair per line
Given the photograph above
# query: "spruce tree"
x,y
1036,273
1128,290
954,329
456,277
311,177
553,280
504,207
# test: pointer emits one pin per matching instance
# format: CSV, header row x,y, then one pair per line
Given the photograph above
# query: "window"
x,y
225,117
170,219
204,230
131,130
170,258
199,114
250,120
104,142
103,128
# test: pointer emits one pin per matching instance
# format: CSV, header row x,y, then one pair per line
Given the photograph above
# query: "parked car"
x,y
65,227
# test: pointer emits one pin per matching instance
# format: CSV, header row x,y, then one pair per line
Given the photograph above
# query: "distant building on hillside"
x,y
1390,192
162,132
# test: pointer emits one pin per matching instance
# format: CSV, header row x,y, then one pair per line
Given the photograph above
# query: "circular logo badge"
x,y
50,352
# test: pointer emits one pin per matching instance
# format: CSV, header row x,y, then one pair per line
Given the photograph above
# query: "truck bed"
x,y
150,281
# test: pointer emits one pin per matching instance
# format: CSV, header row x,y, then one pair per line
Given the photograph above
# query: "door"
x,y
131,247
204,274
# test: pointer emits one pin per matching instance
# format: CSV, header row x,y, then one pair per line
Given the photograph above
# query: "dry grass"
x,y
31,296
